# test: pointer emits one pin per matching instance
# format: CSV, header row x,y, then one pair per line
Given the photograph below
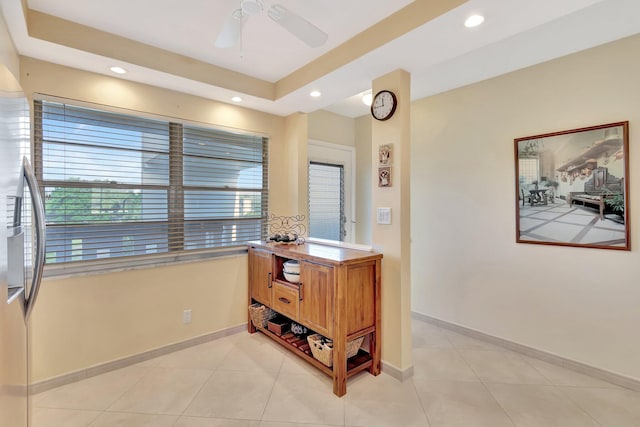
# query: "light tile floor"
x,y
249,381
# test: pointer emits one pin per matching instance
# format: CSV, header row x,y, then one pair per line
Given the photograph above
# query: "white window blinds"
x,y
119,186
326,201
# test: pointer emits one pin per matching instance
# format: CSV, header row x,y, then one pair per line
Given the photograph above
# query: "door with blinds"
x,y
326,201
330,195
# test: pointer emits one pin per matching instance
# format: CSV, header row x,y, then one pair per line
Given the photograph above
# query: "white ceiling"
x,y
440,55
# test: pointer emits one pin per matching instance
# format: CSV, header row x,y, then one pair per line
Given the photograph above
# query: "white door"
x,y
334,159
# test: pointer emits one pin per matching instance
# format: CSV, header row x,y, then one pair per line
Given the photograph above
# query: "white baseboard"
x,y
388,368
583,368
397,373
102,368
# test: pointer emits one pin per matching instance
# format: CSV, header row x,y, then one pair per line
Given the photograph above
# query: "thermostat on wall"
x,y
384,215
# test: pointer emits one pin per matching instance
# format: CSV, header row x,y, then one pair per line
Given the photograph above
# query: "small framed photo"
x,y
384,176
385,155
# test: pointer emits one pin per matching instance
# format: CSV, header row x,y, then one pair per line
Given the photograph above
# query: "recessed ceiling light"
x,y
315,93
236,99
367,99
118,70
474,21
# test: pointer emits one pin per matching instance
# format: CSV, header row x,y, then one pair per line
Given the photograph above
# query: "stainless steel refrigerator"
x,y
22,236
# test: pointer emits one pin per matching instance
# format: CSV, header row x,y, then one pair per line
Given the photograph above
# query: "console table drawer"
x,y
286,300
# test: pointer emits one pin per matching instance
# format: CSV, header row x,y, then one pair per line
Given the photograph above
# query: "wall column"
x,y
394,240
296,166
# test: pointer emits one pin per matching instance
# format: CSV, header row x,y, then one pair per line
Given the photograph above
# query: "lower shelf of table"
x,y
355,364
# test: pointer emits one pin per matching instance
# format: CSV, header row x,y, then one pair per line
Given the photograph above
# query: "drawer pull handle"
x,y
284,300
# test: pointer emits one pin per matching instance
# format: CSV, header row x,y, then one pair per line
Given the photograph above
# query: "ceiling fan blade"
x,y
298,26
230,33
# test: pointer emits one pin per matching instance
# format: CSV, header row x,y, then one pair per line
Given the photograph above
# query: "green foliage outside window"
x,y
77,205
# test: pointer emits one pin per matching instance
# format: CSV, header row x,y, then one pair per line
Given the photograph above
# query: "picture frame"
x,y
384,176
572,187
385,155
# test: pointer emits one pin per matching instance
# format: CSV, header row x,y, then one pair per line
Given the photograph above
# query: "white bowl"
x,y
292,277
292,266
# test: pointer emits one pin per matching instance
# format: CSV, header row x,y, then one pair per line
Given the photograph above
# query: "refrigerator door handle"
x,y
40,228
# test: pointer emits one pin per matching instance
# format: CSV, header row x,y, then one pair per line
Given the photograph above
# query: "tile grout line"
x,y
551,358
577,404
559,390
550,384
147,370
95,419
424,410
198,392
166,368
484,385
272,388
103,410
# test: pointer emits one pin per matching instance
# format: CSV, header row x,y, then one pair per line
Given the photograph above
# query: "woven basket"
x,y
260,315
324,353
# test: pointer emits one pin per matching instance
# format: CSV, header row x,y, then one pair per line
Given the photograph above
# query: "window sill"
x,y
89,268
340,244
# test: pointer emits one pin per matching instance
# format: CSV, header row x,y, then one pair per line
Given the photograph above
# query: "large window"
x,y
117,186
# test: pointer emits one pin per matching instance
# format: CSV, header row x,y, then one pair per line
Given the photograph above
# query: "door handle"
x,y
40,228
269,284
300,291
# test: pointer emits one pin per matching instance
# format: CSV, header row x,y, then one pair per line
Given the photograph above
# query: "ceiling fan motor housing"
x,y
295,24
251,7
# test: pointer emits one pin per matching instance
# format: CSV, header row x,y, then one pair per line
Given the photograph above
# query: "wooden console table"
x,y
338,297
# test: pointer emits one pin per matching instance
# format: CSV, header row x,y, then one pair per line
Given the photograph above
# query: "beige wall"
x,y
578,303
330,127
394,239
88,320
364,183
296,130
85,321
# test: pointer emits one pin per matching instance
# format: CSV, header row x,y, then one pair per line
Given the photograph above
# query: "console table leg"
x,y
375,345
250,328
374,348
339,384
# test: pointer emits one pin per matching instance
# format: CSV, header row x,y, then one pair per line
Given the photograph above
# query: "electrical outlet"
x,y
186,316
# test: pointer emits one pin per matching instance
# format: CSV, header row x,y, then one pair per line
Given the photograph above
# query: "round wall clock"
x,y
384,105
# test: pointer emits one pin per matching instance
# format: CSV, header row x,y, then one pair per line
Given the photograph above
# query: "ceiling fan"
x,y
290,21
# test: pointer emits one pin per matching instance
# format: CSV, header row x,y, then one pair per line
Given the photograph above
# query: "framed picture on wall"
x,y
384,176
572,187
385,155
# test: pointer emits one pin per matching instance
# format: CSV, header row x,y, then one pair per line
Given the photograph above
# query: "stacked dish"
x,y
291,271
